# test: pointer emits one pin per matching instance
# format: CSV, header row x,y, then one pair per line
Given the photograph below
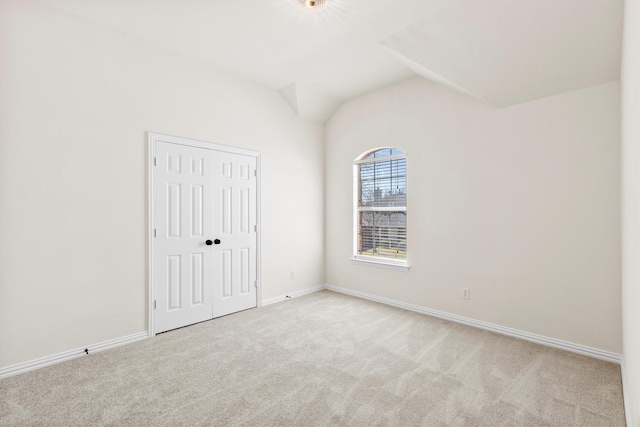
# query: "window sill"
x,y
380,264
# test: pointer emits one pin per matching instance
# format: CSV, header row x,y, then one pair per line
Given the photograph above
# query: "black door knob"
x,y
209,242
217,241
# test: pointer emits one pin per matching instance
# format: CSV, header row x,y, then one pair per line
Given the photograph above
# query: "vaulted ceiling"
x,y
503,52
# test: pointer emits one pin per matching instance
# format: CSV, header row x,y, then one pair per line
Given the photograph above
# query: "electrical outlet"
x,y
466,293
293,274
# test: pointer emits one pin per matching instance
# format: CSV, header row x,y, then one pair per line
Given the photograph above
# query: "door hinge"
x,y
155,161
155,304
255,172
255,228
255,283
155,234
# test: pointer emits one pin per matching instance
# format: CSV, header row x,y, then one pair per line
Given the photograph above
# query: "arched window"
x,y
380,207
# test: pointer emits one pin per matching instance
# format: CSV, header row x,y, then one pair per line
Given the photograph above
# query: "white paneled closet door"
x,y
184,223
205,234
234,225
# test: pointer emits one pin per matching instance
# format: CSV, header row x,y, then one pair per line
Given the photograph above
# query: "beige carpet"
x,y
322,359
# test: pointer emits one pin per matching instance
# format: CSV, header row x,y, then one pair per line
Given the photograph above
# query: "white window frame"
x,y
371,261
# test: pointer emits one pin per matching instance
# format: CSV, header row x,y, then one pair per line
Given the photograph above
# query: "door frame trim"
x,y
152,138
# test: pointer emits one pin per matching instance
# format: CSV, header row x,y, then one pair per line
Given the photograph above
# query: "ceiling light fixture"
x,y
314,5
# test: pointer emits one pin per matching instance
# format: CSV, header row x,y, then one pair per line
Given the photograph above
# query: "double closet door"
x,y
205,234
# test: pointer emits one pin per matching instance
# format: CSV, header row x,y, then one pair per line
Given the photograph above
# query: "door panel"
x,y
184,219
197,279
197,211
234,224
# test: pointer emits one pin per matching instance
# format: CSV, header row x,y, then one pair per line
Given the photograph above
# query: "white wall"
x,y
631,206
520,204
76,101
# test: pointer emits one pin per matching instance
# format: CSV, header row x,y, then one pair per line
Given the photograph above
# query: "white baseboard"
x,y
71,354
293,294
538,339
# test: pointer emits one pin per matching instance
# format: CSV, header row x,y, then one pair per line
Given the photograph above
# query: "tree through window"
x,y
380,206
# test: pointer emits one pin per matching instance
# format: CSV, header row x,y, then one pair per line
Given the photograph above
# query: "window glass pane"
x,y
383,234
383,183
384,152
